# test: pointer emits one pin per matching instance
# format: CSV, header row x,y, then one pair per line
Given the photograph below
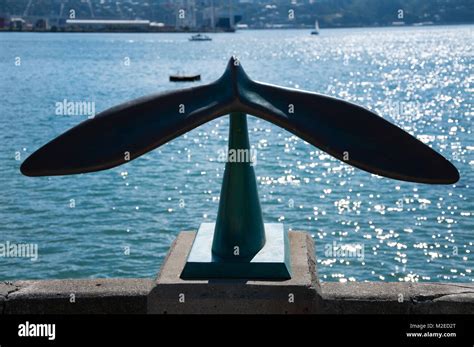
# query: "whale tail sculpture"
x,y
344,130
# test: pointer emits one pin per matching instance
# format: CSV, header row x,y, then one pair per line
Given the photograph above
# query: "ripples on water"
x,y
418,78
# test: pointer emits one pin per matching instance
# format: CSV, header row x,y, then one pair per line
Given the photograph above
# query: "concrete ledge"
x,y
401,298
127,296
75,296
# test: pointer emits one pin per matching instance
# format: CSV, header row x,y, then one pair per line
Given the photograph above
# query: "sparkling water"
x,y
121,222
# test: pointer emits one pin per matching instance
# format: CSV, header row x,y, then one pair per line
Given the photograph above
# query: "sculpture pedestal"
x,y
272,262
174,295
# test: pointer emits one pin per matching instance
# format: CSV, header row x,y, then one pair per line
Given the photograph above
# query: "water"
x,y
418,78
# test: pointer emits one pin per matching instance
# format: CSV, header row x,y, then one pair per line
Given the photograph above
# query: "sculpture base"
x,y
272,262
174,295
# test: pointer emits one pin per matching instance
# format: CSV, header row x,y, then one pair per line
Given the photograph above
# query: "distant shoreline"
x,y
226,32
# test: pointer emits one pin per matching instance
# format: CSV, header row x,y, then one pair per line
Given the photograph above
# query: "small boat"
x,y
200,37
316,28
185,78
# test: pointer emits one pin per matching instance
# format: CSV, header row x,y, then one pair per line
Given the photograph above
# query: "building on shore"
x,y
16,23
107,25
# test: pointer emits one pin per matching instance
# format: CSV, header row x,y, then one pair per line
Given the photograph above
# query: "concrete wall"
x,y
75,296
130,296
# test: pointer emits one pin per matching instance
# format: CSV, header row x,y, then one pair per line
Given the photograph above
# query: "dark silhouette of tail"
x,y
346,131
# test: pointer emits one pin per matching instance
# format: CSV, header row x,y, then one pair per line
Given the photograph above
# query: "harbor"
x,y
214,16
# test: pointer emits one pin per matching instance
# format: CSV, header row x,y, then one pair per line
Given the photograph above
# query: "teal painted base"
x,y
272,262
